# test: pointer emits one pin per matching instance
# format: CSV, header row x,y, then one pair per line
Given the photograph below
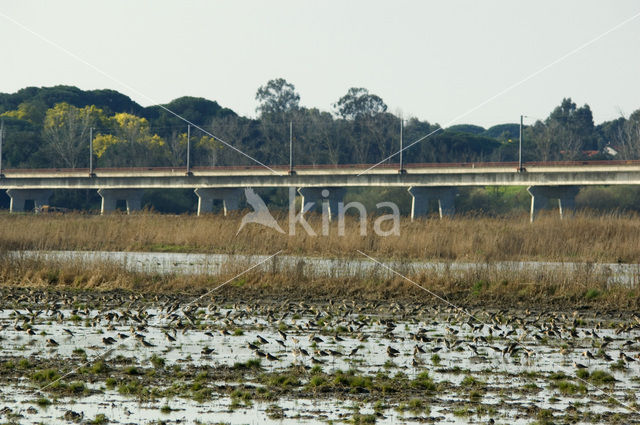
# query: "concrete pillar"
x,y
540,196
538,201
134,203
40,197
110,197
318,195
230,196
421,195
447,202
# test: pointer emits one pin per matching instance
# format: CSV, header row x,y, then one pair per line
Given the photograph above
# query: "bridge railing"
x,y
285,168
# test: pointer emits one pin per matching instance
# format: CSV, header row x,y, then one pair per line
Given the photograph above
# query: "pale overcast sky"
x,y
434,60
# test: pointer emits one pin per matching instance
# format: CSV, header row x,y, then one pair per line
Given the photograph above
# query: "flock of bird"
x,y
312,333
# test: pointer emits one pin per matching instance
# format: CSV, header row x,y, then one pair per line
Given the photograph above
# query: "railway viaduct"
x,y
424,182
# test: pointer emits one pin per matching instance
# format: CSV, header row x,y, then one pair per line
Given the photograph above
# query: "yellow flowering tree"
x,y
66,133
130,143
33,111
209,148
205,150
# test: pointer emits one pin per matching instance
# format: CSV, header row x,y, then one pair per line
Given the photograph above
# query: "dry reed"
x,y
584,238
486,286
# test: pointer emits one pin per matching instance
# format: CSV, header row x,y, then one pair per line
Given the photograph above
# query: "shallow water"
x,y
212,264
510,385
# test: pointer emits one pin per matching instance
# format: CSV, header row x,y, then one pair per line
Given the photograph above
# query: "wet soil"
x,y
254,355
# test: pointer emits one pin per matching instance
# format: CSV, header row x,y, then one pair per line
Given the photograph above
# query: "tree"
x,y
565,134
450,146
627,137
278,104
239,132
374,139
316,139
33,111
277,97
109,101
539,145
367,139
66,132
358,103
196,110
130,144
503,132
211,147
573,128
203,147
467,128
21,142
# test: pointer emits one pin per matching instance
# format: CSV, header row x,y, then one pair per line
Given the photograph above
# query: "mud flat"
x,y
236,356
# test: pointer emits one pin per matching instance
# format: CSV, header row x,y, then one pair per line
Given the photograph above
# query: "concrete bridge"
x,y
559,180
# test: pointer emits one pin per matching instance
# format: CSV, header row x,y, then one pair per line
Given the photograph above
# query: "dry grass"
x,y
484,286
586,237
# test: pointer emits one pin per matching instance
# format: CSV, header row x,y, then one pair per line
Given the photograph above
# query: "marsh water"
x,y
72,356
212,264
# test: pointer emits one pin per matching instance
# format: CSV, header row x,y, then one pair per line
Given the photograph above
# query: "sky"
x,y
447,62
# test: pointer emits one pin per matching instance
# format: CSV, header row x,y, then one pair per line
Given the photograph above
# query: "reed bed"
x,y
584,238
486,286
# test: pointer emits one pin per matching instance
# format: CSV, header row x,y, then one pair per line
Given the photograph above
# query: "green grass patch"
x,y
283,380
479,287
600,377
43,402
415,405
133,371
157,361
77,387
249,364
424,382
569,388
100,419
46,375
317,381
100,367
592,294
359,418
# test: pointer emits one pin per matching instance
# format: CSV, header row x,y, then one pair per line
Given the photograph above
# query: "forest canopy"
x,y
49,127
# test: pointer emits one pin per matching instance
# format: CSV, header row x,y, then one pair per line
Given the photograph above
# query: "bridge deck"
x,y
467,174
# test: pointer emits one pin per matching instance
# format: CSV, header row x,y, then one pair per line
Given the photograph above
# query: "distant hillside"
x,y
467,128
110,101
198,110
47,127
503,131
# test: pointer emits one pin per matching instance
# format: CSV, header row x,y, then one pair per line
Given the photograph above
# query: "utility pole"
x,y
520,167
401,170
91,173
189,150
291,148
1,135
